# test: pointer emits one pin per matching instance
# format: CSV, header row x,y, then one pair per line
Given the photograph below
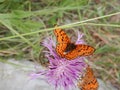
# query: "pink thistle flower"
x,y
61,72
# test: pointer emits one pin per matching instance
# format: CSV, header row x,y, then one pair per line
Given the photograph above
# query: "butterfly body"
x,y
65,48
70,47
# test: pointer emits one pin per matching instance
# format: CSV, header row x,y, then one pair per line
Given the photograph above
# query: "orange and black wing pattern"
x,y
80,50
62,40
89,81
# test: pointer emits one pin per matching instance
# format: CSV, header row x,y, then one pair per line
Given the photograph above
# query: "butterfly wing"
x,y
89,81
80,50
60,49
63,41
61,36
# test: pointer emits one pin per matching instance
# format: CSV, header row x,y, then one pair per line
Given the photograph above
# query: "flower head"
x,y
62,72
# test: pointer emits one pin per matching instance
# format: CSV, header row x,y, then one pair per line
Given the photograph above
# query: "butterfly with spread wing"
x,y
65,48
89,81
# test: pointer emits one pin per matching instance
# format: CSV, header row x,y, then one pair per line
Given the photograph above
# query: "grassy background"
x,y
24,24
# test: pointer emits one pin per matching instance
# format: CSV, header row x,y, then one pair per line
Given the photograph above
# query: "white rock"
x,y
14,75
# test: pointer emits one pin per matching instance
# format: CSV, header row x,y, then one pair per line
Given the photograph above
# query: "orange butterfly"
x,y
89,81
65,48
